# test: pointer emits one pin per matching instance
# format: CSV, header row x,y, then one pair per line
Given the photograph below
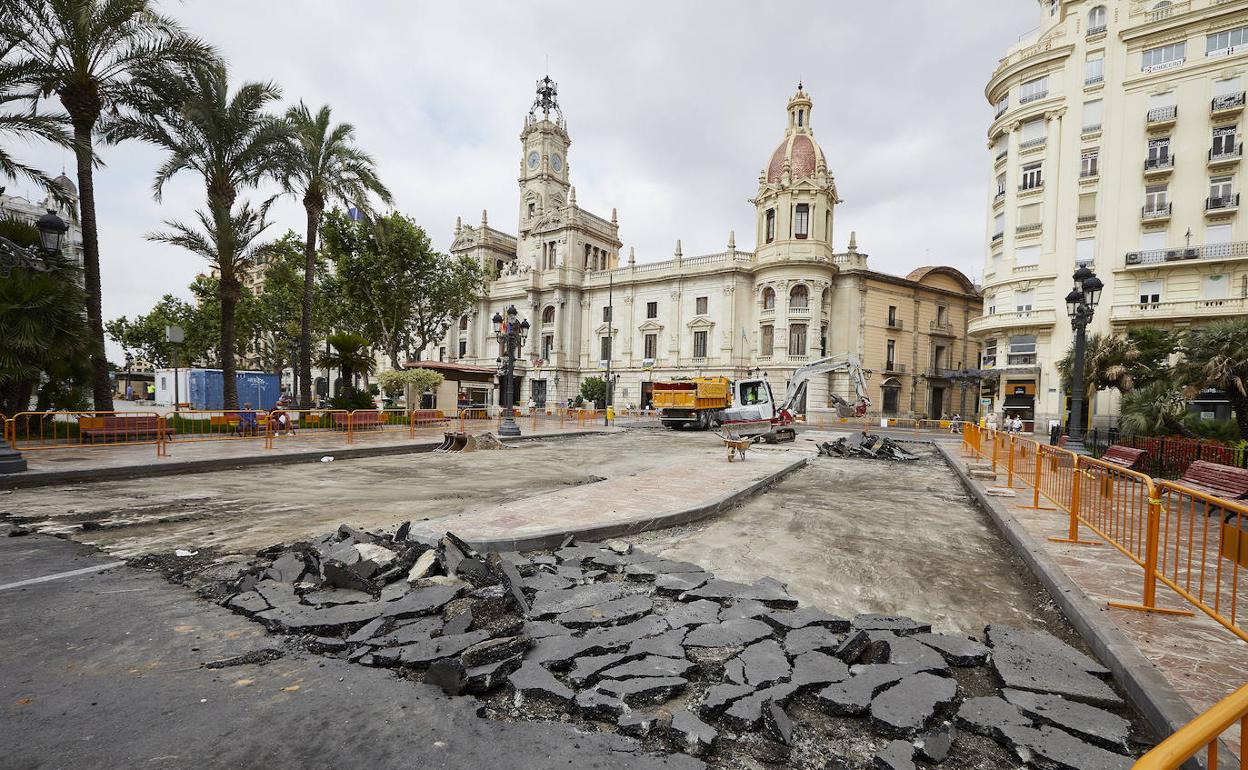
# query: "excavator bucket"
x,y
447,440
458,443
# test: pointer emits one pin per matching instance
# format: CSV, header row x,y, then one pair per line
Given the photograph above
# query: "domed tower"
x,y
796,194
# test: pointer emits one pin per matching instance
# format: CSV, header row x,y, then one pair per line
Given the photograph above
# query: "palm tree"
x,y
350,356
324,167
27,122
1216,356
229,245
1156,409
227,138
1107,363
85,52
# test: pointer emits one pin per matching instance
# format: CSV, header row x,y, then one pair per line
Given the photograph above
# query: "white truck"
x,y
755,412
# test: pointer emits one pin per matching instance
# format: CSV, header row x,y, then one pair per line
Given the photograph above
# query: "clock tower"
x,y
544,163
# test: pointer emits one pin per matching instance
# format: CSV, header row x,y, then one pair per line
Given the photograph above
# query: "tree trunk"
x,y
229,385
101,386
305,320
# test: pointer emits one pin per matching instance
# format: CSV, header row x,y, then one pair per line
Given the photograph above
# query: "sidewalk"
x,y
85,462
1196,656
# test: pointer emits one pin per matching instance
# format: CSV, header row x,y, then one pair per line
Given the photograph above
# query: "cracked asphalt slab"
x,y
107,670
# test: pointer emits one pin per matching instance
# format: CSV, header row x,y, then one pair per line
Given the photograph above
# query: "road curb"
x,y
1163,708
553,537
30,479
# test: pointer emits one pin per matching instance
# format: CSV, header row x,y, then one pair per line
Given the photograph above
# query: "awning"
x,y
1020,402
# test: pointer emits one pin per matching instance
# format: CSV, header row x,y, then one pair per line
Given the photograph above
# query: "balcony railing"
x,y
1222,202
1086,219
1033,187
1098,29
1020,318
1189,308
1024,229
940,327
1089,173
1033,97
1226,155
1160,163
1156,212
892,367
1000,196
799,310
1208,251
1001,154
997,236
1163,114
1021,359
1092,128
1227,102
1092,80
1027,145
893,323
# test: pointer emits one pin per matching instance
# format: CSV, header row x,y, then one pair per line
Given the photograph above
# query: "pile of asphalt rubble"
x,y
869,446
613,638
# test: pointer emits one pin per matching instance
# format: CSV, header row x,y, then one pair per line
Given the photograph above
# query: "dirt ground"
x,y
856,536
251,508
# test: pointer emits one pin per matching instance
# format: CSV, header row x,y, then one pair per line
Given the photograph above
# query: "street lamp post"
x,y
1080,306
52,230
511,334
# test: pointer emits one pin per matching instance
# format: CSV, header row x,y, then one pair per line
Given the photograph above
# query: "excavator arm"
x,y
801,377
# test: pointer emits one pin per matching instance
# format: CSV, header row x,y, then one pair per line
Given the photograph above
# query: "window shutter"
x,y
1226,87
1029,215
1033,129
1085,250
1092,113
1217,234
1027,255
1087,205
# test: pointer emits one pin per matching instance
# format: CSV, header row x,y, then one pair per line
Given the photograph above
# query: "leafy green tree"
x,y
350,355
391,285
594,390
1107,363
229,245
395,382
145,334
86,52
1216,356
1156,409
274,312
324,167
45,343
233,144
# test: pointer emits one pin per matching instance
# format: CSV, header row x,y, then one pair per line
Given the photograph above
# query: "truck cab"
x,y
753,409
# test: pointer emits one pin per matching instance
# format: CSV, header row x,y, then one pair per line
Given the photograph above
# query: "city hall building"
x,y
785,300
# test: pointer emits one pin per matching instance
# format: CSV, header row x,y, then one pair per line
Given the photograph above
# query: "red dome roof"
x,y
803,157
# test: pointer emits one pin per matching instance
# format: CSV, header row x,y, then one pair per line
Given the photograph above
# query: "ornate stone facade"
x,y
790,300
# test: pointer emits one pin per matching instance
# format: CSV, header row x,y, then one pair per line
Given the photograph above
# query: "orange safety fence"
x,y
1193,542
363,421
304,423
1201,734
189,425
429,420
68,430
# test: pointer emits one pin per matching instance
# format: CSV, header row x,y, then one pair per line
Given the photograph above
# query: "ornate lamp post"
x,y
52,230
1080,306
511,336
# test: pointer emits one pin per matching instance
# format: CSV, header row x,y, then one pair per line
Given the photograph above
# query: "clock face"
x,y
533,159
556,162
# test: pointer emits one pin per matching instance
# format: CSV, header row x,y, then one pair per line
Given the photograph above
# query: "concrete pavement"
x,y
106,670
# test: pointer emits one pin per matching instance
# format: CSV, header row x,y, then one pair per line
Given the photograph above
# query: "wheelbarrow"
x,y
737,445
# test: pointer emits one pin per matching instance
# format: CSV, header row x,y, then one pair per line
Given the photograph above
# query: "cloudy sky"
x,y
673,109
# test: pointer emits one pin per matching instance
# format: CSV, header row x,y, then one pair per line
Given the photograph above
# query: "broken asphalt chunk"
x,y
610,612
898,624
730,633
1105,729
776,723
815,669
897,755
644,690
767,592
802,640
957,650
910,706
421,654
764,663
649,666
531,680
1034,660
694,735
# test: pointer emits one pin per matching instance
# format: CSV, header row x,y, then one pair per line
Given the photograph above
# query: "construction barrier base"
x,y
1070,541
1155,610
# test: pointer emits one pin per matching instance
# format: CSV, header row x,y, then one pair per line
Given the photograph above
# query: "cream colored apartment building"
x,y
783,299
1116,142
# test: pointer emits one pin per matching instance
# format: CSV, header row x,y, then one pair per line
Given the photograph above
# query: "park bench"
x,y
1061,441
358,420
1225,481
1125,456
94,428
430,416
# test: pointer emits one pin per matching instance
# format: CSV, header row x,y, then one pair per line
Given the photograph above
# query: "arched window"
x,y
1096,19
548,314
799,297
825,299
463,323
769,298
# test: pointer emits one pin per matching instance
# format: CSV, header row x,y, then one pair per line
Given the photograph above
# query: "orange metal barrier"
x,y
62,430
190,425
1192,542
1201,733
1202,552
304,422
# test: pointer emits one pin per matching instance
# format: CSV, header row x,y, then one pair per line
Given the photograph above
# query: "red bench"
x,y
1225,481
358,420
430,416
1125,456
1061,441
93,428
